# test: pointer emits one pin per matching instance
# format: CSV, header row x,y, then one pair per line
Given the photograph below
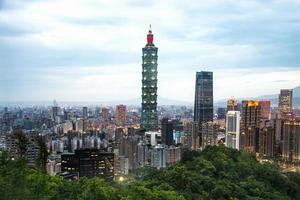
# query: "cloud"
x,y
91,49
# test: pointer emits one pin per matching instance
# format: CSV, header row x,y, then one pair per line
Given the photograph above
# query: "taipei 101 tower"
x,y
149,120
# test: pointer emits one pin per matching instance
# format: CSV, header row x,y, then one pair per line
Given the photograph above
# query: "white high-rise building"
x,y
233,129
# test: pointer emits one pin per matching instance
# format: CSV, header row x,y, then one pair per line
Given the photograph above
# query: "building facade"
x,y
251,116
121,115
149,119
291,141
232,138
203,107
89,163
167,132
209,134
285,105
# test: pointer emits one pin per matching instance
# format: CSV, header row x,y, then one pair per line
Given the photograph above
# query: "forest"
x,y
217,172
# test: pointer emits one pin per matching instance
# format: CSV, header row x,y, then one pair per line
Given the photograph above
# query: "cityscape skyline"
x,y
70,55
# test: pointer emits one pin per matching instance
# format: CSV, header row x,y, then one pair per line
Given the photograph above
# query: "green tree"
x,y
21,142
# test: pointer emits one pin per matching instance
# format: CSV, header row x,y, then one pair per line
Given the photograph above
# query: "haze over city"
x,y
92,50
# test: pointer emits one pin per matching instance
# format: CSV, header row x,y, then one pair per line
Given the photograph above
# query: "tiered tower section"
x,y
149,119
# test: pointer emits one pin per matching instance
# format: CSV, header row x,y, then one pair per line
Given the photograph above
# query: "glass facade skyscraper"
x,y
203,108
149,119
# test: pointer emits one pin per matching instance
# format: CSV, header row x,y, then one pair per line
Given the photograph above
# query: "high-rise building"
x,y
89,163
267,141
190,130
232,104
209,134
158,157
84,112
167,132
265,107
105,114
54,113
149,119
291,141
121,115
251,116
203,108
233,129
285,105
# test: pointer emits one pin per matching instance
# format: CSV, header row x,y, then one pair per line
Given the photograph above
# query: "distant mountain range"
x,y
161,101
133,102
272,97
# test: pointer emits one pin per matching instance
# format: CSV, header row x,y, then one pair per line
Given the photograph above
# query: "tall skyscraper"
x,y
291,141
84,112
267,139
149,119
285,101
167,131
203,108
121,115
233,129
251,116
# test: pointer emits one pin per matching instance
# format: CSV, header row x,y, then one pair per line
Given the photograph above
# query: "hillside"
x,y
215,173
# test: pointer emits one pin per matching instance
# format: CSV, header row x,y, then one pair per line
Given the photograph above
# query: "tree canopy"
x,y
214,173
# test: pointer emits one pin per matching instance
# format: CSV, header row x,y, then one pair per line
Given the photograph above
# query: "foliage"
x,y
42,154
214,173
21,142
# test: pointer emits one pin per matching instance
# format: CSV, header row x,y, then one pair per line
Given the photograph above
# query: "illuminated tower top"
x,y
150,36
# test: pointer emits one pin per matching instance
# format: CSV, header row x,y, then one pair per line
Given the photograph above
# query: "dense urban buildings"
x,y
106,141
149,119
203,107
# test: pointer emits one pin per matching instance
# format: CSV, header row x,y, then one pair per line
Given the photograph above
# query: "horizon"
x,y
92,52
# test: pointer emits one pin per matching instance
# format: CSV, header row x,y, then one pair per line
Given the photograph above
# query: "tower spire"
x,y
150,36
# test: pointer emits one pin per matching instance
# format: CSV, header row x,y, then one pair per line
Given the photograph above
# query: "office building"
x,y
251,116
291,141
167,132
149,119
84,112
105,116
158,157
89,163
285,105
209,134
203,107
265,107
232,137
267,140
121,115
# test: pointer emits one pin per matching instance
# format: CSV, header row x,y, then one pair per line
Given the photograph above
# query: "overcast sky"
x,y
90,50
